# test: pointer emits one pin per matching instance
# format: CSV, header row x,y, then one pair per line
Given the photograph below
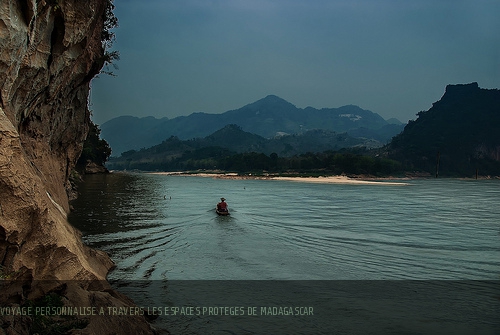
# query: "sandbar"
x,y
341,180
320,180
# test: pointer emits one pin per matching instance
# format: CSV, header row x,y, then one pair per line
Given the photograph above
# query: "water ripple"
x,y
165,227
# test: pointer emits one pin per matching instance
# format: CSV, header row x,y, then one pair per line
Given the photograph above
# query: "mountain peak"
x,y
272,97
266,117
229,128
457,93
461,89
470,86
232,136
272,100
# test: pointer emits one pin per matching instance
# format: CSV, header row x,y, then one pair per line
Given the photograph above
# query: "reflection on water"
x,y
165,227
339,249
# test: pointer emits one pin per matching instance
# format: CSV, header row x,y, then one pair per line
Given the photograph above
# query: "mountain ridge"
x,y
457,136
229,141
265,117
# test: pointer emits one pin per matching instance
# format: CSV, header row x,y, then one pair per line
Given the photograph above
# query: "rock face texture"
x,y
49,52
460,131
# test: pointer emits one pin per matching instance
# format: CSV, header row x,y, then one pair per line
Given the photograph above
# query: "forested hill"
x,y
457,135
266,117
227,143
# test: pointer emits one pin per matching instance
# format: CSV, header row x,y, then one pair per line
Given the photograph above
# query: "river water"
x,y
163,230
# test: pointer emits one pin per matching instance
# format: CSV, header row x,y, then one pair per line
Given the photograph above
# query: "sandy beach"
x,y
341,180
320,180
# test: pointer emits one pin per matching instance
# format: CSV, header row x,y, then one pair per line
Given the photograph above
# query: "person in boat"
x,y
222,205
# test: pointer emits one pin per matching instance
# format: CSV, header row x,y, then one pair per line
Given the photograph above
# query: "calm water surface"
x,y
161,230
165,227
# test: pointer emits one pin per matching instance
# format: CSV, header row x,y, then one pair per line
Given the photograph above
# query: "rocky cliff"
x,y
457,136
49,52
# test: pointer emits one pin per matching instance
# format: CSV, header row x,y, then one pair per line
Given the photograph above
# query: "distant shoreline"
x,y
305,179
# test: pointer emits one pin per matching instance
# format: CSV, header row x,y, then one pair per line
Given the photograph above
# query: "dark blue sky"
x,y
393,57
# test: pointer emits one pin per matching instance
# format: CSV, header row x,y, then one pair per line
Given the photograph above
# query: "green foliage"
x,y
217,158
110,22
95,149
108,37
108,60
174,154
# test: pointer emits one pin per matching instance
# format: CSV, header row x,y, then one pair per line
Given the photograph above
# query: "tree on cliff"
x,y
95,149
107,38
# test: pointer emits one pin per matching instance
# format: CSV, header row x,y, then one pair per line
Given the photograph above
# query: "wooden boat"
x,y
219,212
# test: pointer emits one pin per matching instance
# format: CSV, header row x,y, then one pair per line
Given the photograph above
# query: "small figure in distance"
x,y
222,207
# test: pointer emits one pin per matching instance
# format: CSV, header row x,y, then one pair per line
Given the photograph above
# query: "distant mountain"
x,y
461,132
271,115
394,121
268,117
316,140
232,140
129,132
232,137
457,136
383,135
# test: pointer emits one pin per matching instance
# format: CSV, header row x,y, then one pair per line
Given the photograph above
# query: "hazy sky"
x,y
393,57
